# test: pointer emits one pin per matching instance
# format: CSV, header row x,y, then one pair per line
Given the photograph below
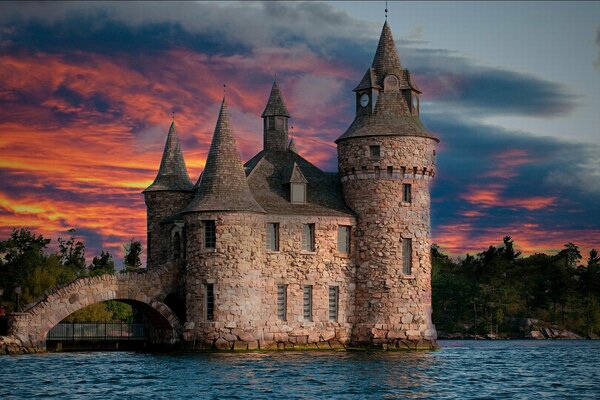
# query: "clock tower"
x,y
386,160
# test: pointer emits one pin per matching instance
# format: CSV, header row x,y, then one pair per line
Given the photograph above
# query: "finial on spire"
x,y
173,115
224,89
386,10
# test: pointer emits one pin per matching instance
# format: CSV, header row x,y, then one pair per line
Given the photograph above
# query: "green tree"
x,y
72,253
102,264
133,251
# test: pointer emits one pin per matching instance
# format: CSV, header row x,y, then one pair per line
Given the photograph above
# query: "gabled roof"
x,y
269,174
172,173
275,106
222,185
297,176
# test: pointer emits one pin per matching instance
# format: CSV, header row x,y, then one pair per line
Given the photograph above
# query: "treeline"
x,y
27,263
488,292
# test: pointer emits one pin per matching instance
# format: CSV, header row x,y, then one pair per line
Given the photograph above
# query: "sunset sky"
x,y
512,89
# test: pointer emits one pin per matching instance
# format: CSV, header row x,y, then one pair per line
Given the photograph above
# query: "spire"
x,y
386,60
172,174
222,185
292,146
275,105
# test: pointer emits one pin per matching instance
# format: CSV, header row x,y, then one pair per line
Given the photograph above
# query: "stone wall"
x,y
160,205
392,308
245,277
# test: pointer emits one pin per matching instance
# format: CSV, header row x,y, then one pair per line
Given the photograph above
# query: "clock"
x,y
364,100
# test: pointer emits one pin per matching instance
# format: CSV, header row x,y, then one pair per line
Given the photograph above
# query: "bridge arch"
x,y
148,289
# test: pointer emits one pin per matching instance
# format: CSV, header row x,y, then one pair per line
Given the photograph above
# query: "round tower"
x,y
386,160
168,195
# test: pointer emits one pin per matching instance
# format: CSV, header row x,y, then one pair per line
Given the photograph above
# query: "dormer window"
x,y
298,194
391,84
297,186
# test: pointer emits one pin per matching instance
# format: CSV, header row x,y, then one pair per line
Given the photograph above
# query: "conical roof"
x,y
222,185
172,174
275,105
386,60
391,115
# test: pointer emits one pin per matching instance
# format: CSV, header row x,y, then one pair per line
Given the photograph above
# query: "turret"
x,y
168,195
275,122
386,161
225,228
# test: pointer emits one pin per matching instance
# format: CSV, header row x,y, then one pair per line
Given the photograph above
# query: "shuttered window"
x,y
282,302
210,234
210,302
344,239
407,256
273,237
308,237
308,302
334,301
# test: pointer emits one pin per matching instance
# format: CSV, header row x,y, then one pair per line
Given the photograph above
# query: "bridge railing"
x,y
99,331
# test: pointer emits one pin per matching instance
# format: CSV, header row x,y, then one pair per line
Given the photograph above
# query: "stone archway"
x,y
145,288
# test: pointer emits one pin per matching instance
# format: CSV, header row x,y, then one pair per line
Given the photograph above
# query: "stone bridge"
x,y
145,290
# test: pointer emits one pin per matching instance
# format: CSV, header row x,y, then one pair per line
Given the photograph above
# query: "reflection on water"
x,y
463,369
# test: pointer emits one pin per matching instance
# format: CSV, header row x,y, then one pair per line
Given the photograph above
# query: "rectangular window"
x,y
210,302
308,302
334,302
308,237
344,239
374,151
390,172
407,256
298,194
271,122
282,302
210,234
273,237
406,193
377,172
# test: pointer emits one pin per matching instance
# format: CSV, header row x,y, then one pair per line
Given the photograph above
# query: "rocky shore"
x,y
12,345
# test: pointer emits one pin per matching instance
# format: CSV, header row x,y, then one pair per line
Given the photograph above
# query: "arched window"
x,y
391,83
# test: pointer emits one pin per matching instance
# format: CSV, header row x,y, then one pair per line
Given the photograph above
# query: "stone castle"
x,y
276,253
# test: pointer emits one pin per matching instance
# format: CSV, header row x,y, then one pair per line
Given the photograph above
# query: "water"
x,y
462,370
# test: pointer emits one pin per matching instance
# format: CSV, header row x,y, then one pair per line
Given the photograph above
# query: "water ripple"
x,y
462,370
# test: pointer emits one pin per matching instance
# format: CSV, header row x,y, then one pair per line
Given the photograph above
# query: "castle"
x,y
276,253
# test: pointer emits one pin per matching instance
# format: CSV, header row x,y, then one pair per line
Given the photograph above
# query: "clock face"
x,y
364,100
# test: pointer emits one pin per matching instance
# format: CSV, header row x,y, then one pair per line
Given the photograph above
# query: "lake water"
x,y
461,370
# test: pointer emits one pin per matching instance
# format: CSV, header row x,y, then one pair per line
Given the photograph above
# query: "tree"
x,y
102,264
72,253
133,251
594,260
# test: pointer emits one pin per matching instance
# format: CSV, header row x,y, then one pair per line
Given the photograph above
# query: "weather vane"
x,y
224,89
386,9
173,115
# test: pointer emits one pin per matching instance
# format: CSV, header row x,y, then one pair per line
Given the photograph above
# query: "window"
x,y
308,303
377,172
210,302
273,237
308,237
271,122
374,151
282,302
279,123
390,171
407,256
344,239
176,246
210,234
406,193
334,302
298,194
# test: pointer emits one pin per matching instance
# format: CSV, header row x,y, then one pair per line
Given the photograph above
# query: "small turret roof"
x,y
222,185
386,60
172,174
275,105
